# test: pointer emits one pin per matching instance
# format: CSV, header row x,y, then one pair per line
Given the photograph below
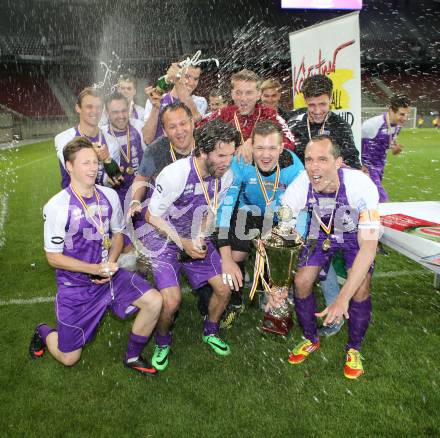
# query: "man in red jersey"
x,y
245,111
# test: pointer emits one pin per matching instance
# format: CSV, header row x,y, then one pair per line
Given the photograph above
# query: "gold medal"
x,y
129,170
326,245
106,242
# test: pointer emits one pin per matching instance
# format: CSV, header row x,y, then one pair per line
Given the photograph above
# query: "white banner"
x,y
331,48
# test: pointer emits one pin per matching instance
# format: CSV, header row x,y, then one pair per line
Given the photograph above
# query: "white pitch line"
x,y
20,302
38,300
31,162
391,274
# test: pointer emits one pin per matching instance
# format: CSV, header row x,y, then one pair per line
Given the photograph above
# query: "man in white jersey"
x,y
342,206
127,86
82,240
185,200
128,135
89,109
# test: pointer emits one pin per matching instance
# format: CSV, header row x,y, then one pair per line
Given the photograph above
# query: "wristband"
x,y
135,201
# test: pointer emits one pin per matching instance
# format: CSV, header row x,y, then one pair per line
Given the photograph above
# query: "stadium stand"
x,y
28,95
399,42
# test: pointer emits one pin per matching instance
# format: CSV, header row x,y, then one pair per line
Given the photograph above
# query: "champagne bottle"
x,y
163,84
112,169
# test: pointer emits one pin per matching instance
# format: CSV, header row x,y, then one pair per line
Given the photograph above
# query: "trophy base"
x,y
279,326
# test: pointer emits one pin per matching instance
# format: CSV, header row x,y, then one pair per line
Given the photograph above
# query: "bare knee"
x,y
70,359
362,293
150,301
303,285
171,303
223,292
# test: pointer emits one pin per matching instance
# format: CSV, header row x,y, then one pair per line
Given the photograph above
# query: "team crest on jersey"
x,y
253,180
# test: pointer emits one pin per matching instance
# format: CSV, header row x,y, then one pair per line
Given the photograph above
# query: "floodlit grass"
x,y
254,391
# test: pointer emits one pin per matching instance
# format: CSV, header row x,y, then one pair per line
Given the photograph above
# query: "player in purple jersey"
x,y
182,209
378,135
127,85
89,109
128,136
127,133
82,240
343,204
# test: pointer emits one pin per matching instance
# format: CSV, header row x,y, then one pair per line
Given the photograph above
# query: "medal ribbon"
x,y
173,152
237,123
326,228
275,186
212,205
389,129
100,226
259,269
127,157
85,136
321,129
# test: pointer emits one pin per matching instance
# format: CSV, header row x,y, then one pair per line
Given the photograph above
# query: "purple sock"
x,y
163,340
135,345
305,309
44,330
360,315
210,328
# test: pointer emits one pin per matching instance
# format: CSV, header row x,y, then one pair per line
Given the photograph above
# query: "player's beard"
x,y
214,171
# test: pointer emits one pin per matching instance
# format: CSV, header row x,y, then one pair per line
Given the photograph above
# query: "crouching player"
x,y
343,205
185,199
82,239
257,189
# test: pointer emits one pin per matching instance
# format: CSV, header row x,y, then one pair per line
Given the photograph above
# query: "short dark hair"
x,y
74,146
127,77
336,150
265,128
399,101
116,95
174,107
88,91
215,131
317,85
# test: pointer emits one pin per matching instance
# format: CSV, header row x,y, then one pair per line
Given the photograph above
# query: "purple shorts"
x,y
166,267
79,310
319,257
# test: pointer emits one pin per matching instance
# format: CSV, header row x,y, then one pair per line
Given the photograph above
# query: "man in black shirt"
x,y
317,119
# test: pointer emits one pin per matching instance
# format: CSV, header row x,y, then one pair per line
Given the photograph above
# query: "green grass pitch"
x,y
254,391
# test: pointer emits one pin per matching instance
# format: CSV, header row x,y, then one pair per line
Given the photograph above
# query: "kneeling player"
x,y
185,200
343,205
257,188
82,239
